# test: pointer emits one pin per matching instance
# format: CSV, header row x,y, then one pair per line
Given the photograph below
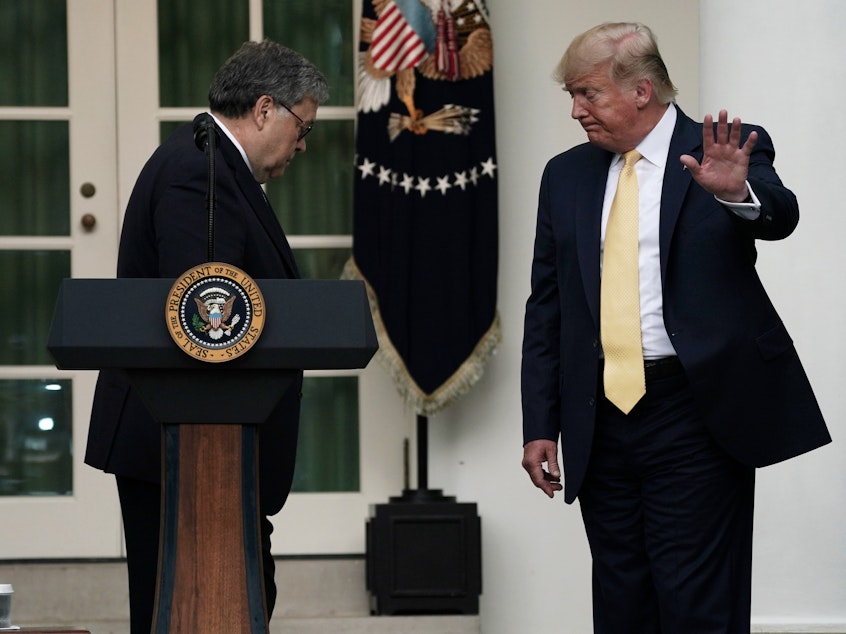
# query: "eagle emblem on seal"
x,y
213,317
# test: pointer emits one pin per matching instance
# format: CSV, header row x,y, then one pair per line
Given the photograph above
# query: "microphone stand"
x,y
206,137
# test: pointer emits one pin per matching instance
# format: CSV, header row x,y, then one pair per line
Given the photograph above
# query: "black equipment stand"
x,y
424,550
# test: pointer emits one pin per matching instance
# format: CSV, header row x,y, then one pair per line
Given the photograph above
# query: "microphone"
x,y
203,125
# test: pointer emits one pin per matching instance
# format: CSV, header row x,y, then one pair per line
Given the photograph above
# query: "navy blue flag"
x,y
425,216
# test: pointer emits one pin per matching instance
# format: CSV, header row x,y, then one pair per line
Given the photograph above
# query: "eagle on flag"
x,y
425,229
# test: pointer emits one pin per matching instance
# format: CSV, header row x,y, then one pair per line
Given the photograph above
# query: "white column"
x,y
783,65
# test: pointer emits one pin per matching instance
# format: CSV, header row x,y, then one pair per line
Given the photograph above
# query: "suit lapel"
x,y
687,139
261,207
590,196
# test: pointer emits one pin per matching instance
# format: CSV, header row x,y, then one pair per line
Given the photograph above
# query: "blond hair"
x,y
630,50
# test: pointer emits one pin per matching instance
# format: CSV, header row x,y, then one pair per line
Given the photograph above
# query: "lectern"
x,y
210,570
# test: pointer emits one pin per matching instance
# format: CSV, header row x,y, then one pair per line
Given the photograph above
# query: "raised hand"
x,y
725,163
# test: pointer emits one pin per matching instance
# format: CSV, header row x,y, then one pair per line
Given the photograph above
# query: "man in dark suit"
x,y
665,476
264,101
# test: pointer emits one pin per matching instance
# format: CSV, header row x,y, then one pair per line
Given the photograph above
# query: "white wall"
x,y
536,564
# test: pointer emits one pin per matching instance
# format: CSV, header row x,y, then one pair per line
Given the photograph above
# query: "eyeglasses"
x,y
304,129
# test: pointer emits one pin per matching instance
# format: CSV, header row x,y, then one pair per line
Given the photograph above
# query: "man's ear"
x,y
643,92
262,110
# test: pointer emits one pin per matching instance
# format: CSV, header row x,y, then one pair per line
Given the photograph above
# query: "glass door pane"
x,y
195,38
322,30
36,437
34,68
315,195
34,275
35,178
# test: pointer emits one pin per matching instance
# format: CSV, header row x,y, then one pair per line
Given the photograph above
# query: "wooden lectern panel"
x,y
210,577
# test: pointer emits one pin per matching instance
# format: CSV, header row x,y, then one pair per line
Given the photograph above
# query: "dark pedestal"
x,y
424,555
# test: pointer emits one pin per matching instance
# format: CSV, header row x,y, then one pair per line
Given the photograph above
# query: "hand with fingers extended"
x,y
725,162
535,454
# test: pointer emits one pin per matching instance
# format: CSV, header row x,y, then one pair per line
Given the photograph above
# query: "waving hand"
x,y
725,163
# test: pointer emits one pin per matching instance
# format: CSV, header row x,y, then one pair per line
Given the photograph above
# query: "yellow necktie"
x,y
619,315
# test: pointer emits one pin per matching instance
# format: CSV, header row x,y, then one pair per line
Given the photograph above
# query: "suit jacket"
x,y
745,374
165,232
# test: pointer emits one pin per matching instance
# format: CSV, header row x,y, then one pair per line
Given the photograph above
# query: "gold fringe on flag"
x,y
464,378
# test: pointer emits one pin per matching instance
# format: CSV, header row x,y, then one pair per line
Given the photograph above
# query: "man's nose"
x,y
578,109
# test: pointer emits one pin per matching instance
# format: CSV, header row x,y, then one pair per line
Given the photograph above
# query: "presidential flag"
x,y
425,216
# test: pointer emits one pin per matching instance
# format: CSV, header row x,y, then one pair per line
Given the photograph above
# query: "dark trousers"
x,y
668,516
140,504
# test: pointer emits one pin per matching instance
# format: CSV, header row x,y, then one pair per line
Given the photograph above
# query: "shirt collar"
x,y
655,147
234,141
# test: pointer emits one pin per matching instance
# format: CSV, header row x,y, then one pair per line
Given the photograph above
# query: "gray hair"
x,y
631,51
264,68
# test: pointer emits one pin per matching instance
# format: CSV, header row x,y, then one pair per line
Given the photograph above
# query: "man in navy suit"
x,y
666,489
264,101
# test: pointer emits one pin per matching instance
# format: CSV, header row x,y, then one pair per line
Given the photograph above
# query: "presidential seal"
x,y
215,312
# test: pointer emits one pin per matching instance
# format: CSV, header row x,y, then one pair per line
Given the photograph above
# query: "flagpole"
x,y
422,494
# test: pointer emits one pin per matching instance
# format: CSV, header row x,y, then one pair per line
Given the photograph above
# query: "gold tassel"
x,y
457,385
453,70
446,52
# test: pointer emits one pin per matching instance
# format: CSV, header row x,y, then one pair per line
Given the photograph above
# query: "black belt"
x,y
656,368
662,368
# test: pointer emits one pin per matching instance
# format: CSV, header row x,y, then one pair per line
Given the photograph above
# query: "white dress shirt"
x,y
234,141
650,177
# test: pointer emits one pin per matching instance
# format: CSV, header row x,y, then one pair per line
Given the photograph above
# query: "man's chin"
x,y
595,137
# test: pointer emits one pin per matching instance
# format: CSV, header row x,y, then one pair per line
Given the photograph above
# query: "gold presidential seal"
x,y
215,312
